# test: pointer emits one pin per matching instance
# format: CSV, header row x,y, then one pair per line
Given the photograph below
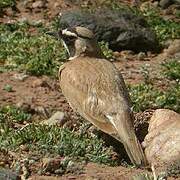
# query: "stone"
x,y
38,4
25,104
162,143
173,49
57,118
41,110
20,76
123,30
141,56
40,83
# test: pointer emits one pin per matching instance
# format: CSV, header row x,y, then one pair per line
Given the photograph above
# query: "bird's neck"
x,y
86,48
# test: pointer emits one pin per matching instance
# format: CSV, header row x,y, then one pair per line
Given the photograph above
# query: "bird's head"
x,y
78,41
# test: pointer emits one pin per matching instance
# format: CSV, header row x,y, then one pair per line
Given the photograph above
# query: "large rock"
x,y
121,29
162,143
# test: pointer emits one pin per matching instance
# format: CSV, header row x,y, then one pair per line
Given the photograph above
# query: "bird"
x,y
95,88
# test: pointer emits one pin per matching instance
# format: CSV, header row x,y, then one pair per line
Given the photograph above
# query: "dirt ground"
x,y
43,95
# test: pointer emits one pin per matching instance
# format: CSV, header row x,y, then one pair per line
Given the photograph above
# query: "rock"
x,y
123,30
23,19
38,4
162,143
177,55
116,54
51,164
20,76
26,103
8,174
40,83
141,56
173,49
40,110
57,118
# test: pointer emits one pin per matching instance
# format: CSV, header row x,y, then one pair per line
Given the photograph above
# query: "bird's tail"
x,y
135,152
126,134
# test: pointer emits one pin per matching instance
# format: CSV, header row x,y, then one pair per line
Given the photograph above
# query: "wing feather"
x,y
94,88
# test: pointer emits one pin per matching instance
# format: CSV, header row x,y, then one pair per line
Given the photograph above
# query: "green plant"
x,y
145,96
171,69
8,88
108,53
146,73
49,140
13,114
7,3
36,54
165,29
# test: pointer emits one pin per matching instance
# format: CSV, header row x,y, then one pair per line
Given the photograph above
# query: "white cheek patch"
x,y
68,33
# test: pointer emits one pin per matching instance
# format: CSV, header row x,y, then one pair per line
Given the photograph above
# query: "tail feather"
x,y
135,152
126,135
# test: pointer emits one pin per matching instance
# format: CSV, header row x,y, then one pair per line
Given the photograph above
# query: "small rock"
x,y
20,76
177,55
41,110
141,56
9,11
25,106
38,4
51,164
173,48
162,143
127,55
117,54
146,5
24,147
167,43
39,83
57,118
36,22
11,21
23,19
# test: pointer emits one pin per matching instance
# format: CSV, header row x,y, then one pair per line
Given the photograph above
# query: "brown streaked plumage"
x,y
96,89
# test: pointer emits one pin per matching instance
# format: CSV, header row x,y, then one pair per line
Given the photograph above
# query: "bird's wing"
x,y
94,87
